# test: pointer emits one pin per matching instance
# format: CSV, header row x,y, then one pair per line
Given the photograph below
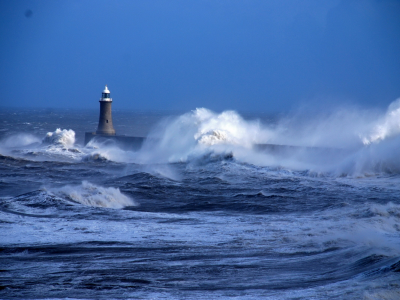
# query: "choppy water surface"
x,y
200,212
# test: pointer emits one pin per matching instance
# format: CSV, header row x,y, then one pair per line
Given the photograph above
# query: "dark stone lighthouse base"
x,y
122,141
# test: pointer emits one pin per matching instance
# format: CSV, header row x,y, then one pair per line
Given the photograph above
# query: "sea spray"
x,y
19,140
225,128
323,143
339,129
195,133
386,126
64,138
372,159
106,150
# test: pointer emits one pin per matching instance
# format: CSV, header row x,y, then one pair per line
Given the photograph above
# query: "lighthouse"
x,y
105,120
105,132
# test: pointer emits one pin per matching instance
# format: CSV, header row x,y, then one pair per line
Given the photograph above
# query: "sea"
x,y
213,205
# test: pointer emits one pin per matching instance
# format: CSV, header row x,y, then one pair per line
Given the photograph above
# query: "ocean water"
x,y
201,211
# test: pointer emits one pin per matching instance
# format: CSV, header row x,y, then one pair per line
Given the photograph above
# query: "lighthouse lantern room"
x,y
105,96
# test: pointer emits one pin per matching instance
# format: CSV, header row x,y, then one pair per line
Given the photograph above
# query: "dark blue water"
x,y
198,213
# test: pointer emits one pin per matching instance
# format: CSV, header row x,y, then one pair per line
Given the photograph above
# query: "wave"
x,y
106,150
196,133
373,227
93,195
58,145
334,143
64,138
386,126
225,128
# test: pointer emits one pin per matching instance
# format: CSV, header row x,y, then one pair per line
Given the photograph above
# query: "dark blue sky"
x,y
178,55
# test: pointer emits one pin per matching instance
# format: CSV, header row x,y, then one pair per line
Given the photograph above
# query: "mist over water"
x,y
212,205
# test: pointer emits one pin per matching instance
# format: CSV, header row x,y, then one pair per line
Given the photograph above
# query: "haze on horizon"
x,y
258,56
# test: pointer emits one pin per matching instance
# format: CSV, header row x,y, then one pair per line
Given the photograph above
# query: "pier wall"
x,y
123,141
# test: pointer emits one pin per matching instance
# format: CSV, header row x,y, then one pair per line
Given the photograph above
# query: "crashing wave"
x,y
388,126
193,134
93,195
214,137
225,128
64,138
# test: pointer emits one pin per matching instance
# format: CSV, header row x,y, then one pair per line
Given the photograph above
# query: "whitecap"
x,y
93,195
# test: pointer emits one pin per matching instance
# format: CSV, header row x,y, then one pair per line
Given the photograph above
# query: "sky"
x,y
248,55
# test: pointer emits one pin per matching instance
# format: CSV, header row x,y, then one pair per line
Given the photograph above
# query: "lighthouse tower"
x,y
105,120
106,132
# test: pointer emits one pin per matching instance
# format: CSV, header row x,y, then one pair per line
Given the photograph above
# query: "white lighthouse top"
x,y
106,90
105,96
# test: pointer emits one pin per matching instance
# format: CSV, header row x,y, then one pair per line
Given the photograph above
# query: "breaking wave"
x,y
344,142
196,133
64,137
385,127
225,128
93,195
